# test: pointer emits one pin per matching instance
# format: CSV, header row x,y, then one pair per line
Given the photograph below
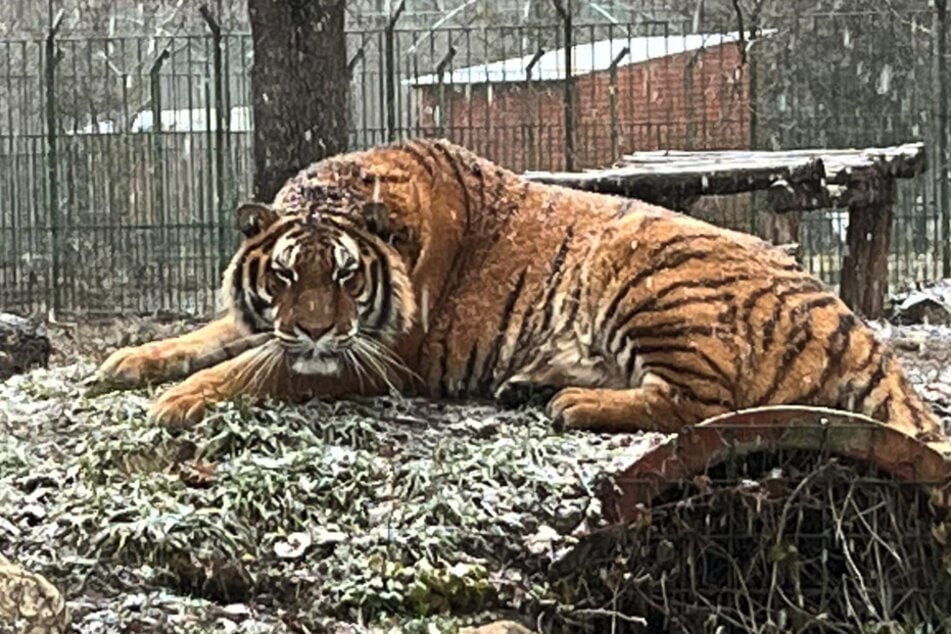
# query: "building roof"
x,y
586,58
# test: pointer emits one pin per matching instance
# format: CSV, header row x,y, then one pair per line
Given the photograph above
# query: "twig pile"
x,y
787,542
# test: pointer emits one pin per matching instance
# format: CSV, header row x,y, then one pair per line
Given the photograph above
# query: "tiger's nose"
x,y
311,332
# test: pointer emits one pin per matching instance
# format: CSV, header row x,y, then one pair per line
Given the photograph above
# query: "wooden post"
x,y
864,276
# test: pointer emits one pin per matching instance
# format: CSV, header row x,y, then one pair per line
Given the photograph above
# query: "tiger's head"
x,y
329,286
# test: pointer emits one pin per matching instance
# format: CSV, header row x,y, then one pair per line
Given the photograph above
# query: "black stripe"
x,y
573,306
881,412
253,301
385,282
650,304
674,348
800,334
453,162
874,381
491,359
769,326
554,279
499,185
724,297
838,344
673,368
840,338
669,263
670,330
476,168
624,208
470,366
410,147
524,337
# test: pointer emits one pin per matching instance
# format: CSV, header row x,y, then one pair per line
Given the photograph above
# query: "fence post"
x,y
52,58
440,71
158,167
526,118
752,98
563,7
941,79
221,128
391,72
612,99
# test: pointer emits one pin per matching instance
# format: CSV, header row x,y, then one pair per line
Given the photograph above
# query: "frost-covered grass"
x,y
288,518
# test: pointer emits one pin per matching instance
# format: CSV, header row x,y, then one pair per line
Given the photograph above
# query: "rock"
x,y
24,344
497,627
29,604
930,304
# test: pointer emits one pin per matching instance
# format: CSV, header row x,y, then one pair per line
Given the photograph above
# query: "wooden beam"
x,y
664,181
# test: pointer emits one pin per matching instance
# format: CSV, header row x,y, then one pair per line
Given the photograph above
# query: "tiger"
x,y
423,269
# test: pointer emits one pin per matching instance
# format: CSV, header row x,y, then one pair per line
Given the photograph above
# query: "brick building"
x,y
684,91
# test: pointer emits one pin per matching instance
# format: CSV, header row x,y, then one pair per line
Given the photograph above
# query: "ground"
x,y
339,517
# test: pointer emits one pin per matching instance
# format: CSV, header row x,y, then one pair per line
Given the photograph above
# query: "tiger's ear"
x,y
253,218
377,217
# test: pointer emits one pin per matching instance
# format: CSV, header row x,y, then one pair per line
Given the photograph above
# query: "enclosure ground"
x,y
326,517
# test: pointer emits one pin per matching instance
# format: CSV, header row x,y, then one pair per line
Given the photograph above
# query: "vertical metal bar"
x,y
158,167
752,98
941,118
440,70
564,12
528,124
391,72
51,159
351,66
221,121
612,99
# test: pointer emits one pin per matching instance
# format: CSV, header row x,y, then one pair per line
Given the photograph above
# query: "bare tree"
x,y
299,84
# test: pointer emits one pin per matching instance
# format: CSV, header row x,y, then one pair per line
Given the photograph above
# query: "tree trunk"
x,y
299,84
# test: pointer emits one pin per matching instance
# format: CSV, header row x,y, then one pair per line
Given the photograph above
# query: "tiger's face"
x,y
332,293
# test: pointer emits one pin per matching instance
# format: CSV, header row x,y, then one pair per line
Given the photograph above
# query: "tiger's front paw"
x,y
576,408
182,406
515,393
135,366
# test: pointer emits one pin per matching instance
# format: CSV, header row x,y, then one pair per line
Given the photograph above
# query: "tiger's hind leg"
x,y
651,407
170,359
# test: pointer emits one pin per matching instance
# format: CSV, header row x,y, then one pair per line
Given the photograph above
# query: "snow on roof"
x,y
586,58
192,120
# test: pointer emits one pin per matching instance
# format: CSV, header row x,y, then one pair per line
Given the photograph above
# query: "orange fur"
x,y
636,317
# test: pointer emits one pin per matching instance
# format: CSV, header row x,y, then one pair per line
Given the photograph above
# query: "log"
x,y
675,183
23,345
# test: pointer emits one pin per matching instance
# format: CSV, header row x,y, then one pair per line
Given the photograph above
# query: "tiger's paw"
x,y
513,394
577,408
182,406
136,366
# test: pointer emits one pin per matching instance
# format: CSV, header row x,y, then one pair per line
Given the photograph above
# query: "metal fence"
x,y
116,184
